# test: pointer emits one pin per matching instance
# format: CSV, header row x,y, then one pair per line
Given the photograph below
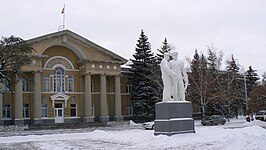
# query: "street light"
x,y
245,84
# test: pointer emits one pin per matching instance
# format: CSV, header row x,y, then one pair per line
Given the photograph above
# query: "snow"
x,y
255,123
242,136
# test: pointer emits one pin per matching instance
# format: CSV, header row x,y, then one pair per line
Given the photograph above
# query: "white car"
x,y
261,115
148,125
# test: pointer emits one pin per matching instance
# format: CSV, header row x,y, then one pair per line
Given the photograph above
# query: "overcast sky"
x,y
235,27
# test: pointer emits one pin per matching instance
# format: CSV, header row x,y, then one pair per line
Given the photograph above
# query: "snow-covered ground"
x,y
236,135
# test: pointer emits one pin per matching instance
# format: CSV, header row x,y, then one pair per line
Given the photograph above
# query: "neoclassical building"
x,y
70,80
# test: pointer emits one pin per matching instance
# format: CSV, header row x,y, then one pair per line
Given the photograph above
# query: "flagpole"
x,y
62,26
64,17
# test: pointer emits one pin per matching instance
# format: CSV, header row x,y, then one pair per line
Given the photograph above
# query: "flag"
x,y
63,10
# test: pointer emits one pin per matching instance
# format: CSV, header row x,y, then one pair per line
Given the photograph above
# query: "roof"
x,y
80,39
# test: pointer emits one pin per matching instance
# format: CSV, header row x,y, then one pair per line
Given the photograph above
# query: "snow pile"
x,y
207,138
255,123
132,123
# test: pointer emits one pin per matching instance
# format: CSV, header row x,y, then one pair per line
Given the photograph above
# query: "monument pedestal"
x,y
174,117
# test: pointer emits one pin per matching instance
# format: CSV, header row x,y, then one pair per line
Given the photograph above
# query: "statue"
x,y
173,116
167,76
180,81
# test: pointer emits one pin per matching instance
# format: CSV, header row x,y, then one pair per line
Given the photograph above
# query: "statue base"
x,y
174,117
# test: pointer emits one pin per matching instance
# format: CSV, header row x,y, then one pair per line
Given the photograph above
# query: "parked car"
x,y
214,120
148,125
261,115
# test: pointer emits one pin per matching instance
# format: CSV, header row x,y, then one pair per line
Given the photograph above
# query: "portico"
x,y
71,80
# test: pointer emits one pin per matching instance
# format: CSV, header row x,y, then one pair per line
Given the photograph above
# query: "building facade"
x,y
70,80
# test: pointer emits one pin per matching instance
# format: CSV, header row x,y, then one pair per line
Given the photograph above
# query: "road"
x,y
234,123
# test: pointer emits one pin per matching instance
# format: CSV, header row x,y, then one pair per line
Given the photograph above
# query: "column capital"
x,y
117,75
37,71
103,74
88,73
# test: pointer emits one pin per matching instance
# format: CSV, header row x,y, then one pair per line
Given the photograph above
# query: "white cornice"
x,y
60,96
79,39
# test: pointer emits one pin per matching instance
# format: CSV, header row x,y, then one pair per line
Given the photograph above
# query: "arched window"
x,y
59,79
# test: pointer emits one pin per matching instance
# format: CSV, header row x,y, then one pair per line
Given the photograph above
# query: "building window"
x,y
73,110
129,109
25,85
44,110
26,111
92,86
46,83
6,111
59,79
71,83
128,88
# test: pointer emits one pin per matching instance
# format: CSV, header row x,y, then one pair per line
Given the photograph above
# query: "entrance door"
x,y
58,113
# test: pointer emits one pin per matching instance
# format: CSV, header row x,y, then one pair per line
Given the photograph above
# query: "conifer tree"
x,y
251,78
264,78
214,75
144,89
232,91
257,98
166,48
198,82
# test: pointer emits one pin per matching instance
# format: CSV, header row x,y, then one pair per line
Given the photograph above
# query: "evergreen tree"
x,y
214,74
233,93
144,89
166,48
264,78
193,89
198,82
257,98
251,78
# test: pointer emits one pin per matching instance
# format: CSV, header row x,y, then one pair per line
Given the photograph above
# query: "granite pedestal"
x,y
174,117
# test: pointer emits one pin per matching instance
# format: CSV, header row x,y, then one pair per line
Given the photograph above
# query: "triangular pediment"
x,y
85,49
59,96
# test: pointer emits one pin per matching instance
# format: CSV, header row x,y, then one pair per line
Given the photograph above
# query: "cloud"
x,y
235,27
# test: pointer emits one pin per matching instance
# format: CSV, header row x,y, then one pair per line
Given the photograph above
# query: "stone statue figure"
x,y
180,81
167,76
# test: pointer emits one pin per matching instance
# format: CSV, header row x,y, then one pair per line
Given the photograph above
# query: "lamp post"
x,y
245,86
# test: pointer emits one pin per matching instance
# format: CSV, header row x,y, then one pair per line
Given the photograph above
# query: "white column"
x,y
1,106
103,98
118,111
88,101
37,98
19,103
